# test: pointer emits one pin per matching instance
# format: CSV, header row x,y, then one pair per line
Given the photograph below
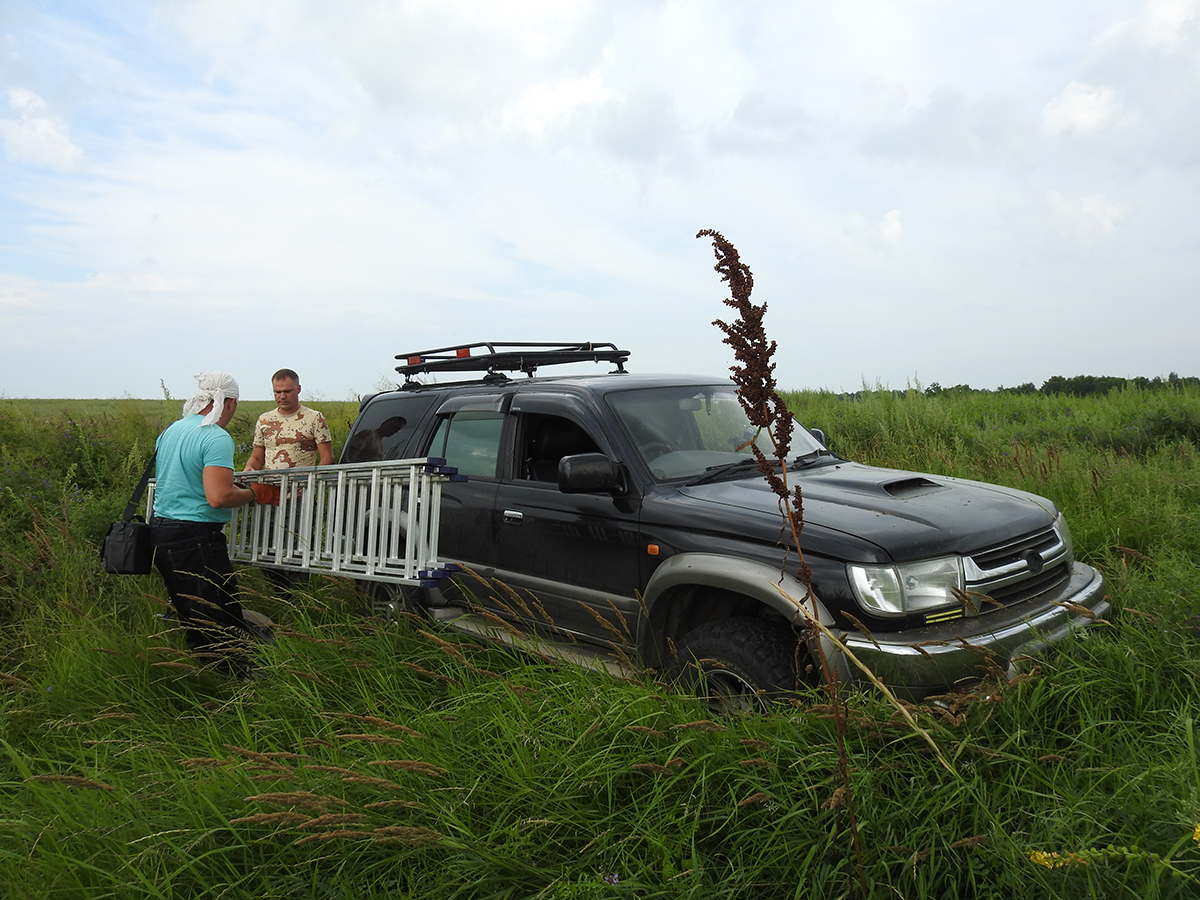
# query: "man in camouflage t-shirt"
x,y
291,435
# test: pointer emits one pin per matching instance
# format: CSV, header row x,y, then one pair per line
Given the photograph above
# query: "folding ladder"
x,y
374,521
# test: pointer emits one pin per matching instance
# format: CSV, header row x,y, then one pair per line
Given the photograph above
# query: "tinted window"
x,y
544,441
384,428
470,441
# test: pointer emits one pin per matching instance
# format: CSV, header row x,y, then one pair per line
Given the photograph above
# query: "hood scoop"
x,y
913,487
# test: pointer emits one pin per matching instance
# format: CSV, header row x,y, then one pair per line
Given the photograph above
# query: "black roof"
x,y
574,383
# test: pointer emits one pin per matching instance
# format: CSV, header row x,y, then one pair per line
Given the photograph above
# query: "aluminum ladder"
x,y
372,521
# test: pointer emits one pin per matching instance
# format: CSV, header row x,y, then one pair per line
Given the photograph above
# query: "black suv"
x,y
623,513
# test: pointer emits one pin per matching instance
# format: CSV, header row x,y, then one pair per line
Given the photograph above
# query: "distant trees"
x,y
936,390
1085,385
1077,386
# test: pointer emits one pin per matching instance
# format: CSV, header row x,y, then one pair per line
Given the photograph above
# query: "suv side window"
x,y
470,441
544,441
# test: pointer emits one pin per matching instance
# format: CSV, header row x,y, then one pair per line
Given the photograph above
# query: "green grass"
x,y
386,760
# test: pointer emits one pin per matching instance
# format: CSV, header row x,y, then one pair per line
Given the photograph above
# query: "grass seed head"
x,y
271,818
411,765
299,800
333,819
756,799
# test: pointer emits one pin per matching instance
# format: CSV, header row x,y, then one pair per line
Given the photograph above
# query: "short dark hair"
x,y
285,373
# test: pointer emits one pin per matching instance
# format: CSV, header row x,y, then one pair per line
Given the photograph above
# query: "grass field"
x,y
388,760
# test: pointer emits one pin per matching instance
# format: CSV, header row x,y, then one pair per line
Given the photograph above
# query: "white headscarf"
x,y
214,388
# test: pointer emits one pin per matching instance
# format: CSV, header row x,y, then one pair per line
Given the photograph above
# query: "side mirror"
x,y
819,435
588,473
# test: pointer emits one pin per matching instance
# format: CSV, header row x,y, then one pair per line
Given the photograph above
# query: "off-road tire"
x,y
741,663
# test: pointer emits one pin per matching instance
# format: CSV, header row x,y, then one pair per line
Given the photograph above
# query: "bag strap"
x,y
135,499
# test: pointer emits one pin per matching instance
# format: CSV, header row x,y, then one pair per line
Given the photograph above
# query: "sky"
x,y
926,191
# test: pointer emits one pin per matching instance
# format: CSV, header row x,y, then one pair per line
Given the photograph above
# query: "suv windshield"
x,y
682,432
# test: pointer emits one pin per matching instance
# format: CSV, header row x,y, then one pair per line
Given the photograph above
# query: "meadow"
x,y
385,759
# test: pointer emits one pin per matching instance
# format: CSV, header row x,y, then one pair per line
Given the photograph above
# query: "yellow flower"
x,y
1196,835
1042,858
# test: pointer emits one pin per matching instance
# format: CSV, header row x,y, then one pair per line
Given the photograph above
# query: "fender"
x,y
760,581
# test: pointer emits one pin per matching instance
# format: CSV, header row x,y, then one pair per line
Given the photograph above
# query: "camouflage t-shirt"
x,y
290,441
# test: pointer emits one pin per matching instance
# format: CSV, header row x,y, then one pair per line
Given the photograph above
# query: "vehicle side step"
x,y
582,655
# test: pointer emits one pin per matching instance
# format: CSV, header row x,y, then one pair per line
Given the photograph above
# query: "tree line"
x,y
1076,386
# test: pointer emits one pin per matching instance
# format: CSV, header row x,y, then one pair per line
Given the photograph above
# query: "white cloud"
x,y
890,229
1091,217
761,124
868,244
642,127
127,283
36,136
1151,63
950,128
454,59
17,291
1160,23
1080,109
547,107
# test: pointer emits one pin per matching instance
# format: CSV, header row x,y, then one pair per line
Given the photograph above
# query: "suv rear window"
x,y
384,428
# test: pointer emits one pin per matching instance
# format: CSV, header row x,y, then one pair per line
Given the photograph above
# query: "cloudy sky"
x,y
951,191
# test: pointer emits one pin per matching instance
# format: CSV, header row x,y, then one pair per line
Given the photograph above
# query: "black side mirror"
x,y
589,473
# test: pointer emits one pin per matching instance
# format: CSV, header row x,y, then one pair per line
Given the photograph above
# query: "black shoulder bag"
x,y
126,549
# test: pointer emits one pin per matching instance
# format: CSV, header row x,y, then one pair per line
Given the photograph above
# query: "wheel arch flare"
x,y
691,589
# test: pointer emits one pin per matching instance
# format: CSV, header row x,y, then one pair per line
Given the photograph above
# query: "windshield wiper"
x,y
714,472
812,457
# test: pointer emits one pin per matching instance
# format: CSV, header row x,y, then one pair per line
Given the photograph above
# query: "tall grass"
x,y
387,759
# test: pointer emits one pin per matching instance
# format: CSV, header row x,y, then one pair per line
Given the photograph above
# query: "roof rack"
x,y
497,358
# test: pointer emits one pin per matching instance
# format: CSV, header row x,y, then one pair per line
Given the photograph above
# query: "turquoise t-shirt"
x,y
184,450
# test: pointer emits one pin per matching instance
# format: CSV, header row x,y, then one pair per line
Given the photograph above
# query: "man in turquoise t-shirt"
x,y
193,495
185,450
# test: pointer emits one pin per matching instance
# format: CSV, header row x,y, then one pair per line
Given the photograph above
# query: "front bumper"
x,y
936,658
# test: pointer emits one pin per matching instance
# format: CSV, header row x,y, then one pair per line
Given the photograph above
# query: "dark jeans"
x,y
194,562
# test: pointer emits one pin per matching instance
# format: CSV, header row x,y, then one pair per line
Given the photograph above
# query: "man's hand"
x,y
265,493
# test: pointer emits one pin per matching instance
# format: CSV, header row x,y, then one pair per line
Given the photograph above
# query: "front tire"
x,y
741,663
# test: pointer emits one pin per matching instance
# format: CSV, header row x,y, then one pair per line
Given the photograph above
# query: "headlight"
x,y
908,588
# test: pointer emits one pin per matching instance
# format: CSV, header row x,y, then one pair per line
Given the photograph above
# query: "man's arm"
x,y
258,451
221,492
321,434
258,459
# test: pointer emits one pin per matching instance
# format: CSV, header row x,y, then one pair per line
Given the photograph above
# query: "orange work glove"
x,y
265,493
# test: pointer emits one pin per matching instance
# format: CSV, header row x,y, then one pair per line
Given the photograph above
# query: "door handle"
x,y
513,517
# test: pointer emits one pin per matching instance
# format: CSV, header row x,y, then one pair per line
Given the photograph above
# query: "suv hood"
x,y
907,515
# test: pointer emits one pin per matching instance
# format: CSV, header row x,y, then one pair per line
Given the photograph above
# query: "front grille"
x,y
1007,554
1006,573
1046,580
